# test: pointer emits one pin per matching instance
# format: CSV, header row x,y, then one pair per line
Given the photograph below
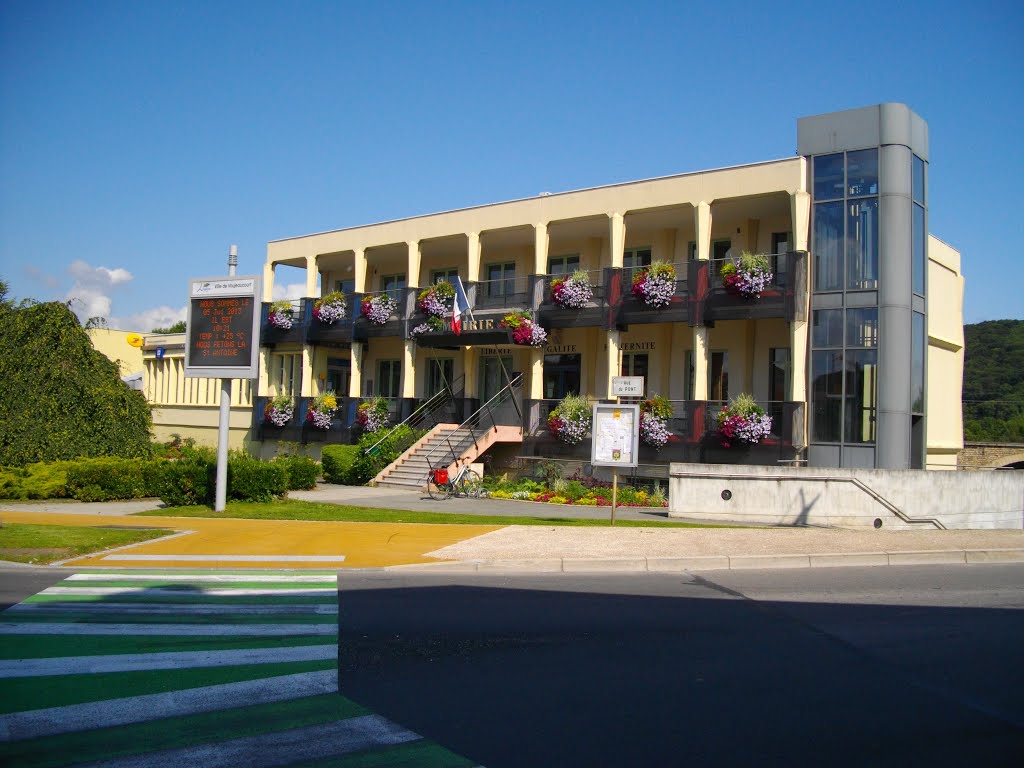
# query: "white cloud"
x,y
147,320
89,296
289,291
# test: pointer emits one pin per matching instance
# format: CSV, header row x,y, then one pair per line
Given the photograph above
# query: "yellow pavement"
x,y
233,543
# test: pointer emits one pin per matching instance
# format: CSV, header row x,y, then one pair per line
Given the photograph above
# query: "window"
x,y
828,246
827,396
440,372
288,374
917,364
862,173
827,328
636,257
917,171
780,247
389,378
393,286
691,375
501,280
918,236
561,376
862,244
719,248
345,286
718,377
691,250
563,265
861,327
443,275
635,364
828,177
861,397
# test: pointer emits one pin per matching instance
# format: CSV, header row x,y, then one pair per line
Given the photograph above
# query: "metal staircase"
x,y
450,445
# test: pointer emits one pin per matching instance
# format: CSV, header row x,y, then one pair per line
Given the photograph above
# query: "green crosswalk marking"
x,y
56,646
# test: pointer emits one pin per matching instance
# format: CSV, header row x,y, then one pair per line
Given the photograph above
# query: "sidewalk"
x,y
560,548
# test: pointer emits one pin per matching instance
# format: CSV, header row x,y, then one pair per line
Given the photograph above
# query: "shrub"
x,y
302,471
106,479
43,480
337,462
189,481
250,479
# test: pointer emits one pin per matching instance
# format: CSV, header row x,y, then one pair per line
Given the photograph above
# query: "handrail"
x,y
509,388
447,393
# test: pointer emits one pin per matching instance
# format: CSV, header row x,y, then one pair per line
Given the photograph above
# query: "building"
x,y
840,347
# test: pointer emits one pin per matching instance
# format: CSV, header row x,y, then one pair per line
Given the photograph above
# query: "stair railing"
x,y
484,413
417,418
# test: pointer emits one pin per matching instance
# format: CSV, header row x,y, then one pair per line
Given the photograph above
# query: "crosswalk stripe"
x,y
160,592
254,630
138,709
270,578
71,665
243,609
332,739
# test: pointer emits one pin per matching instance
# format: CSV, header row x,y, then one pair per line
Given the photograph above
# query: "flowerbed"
x,y
655,285
524,330
743,422
377,308
748,276
572,292
591,493
331,308
281,315
321,410
279,411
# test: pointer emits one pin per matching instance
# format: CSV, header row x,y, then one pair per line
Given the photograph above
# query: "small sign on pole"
x,y
223,327
627,386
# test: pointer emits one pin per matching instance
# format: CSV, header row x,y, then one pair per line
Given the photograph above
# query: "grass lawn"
x,y
40,544
293,509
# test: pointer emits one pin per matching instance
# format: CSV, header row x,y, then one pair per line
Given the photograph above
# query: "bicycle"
x,y
466,482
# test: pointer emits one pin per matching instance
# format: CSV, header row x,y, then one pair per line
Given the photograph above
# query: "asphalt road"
x,y
17,583
839,667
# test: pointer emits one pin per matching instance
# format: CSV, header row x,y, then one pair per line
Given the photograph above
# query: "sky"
x,y
138,141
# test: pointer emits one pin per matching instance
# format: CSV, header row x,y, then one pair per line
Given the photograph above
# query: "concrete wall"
x,y
114,344
843,497
200,424
945,364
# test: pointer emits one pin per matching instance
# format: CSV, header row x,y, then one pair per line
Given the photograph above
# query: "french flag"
x,y
460,306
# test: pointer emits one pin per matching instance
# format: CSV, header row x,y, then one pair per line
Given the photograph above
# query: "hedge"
x,y
302,471
337,462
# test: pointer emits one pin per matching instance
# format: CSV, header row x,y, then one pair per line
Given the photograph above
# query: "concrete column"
x,y
473,256
307,371
702,226
614,362
412,272
800,210
355,382
616,240
541,242
470,358
680,339
409,369
268,282
263,385
700,363
536,374
359,270
311,275
895,291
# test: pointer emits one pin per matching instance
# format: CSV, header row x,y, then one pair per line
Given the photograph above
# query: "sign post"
x,y
223,342
616,431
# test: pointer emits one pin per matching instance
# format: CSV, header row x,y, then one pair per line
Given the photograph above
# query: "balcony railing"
x,y
298,429
507,293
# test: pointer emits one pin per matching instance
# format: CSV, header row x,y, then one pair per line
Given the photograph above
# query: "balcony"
x,y
270,335
550,314
396,324
694,436
298,430
785,296
631,310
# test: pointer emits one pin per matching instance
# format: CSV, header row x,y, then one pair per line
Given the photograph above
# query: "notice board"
x,y
616,435
223,327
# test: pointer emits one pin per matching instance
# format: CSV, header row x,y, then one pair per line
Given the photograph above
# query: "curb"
x,y
720,562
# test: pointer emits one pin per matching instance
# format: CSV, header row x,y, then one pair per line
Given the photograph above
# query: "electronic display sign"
x,y
223,327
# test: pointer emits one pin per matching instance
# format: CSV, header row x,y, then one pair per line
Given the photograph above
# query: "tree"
x,y
178,327
60,398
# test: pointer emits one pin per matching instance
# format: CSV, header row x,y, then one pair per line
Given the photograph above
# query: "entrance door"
x,y
495,373
339,373
718,377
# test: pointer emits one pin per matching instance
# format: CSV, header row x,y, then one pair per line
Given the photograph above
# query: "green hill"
x,y
994,381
